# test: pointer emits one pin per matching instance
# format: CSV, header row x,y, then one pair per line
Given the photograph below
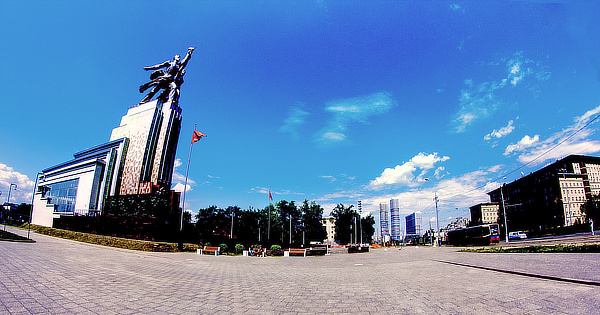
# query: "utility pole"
x,y
437,221
504,211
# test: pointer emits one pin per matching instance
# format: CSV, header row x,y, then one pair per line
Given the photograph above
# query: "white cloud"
x,y
333,136
404,174
179,179
177,163
352,110
479,101
523,144
296,117
504,131
574,139
179,187
24,189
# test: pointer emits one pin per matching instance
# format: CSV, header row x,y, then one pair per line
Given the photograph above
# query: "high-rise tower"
x,y
395,219
384,210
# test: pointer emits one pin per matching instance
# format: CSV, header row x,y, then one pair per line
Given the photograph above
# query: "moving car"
x,y
518,235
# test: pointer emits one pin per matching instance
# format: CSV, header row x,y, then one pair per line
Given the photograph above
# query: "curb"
x,y
532,275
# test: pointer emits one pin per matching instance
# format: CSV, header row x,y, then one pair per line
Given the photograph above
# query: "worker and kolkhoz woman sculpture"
x,y
169,79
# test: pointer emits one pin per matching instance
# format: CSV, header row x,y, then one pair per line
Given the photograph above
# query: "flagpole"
x,y
184,189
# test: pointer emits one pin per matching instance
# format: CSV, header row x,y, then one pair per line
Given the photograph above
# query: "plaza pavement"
x,y
59,276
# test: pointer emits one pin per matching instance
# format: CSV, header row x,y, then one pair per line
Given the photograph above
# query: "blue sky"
x,y
331,101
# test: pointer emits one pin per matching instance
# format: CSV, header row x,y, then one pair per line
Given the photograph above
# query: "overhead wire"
x,y
520,167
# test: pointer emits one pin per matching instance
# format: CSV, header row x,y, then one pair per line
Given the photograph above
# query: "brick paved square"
x,y
61,276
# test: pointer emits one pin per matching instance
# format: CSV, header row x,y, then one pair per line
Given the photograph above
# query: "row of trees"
x,y
284,223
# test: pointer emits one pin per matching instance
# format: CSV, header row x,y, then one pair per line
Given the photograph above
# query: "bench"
x,y
209,250
296,251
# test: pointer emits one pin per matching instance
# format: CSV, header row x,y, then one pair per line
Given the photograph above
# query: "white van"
x,y
518,235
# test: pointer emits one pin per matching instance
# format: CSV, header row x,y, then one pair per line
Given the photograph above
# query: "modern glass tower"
x,y
384,210
414,224
395,219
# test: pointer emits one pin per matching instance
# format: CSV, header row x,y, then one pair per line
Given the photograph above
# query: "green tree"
x,y
289,220
344,223
591,209
246,226
311,222
368,228
213,224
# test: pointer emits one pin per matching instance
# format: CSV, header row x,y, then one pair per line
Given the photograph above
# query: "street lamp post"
x,y
9,189
504,211
8,200
437,219
232,215
437,222
32,196
360,221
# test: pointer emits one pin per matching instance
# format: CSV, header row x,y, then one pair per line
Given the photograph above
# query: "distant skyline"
x,y
330,101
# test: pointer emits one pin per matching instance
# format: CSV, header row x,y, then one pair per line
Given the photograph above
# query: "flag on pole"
x,y
270,196
197,136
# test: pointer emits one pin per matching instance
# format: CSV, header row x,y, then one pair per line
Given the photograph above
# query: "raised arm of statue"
x,y
158,66
187,57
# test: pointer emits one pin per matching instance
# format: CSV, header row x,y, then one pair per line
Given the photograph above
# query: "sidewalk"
x,y
61,276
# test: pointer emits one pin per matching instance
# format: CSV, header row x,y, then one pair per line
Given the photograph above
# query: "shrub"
x,y
275,247
239,248
224,248
276,250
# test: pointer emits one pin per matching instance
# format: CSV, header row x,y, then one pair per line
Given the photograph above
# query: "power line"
x,y
528,163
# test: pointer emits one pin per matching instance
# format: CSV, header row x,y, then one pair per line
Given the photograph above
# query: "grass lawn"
x,y
112,241
583,248
11,237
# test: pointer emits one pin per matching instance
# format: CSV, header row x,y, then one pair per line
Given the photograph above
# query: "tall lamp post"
x,y
8,200
32,197
437,219
9,189
360,220
504,211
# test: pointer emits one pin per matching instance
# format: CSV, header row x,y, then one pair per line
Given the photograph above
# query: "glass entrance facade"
x,y
63,195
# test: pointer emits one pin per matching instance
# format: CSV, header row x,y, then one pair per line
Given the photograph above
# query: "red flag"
x,y
270,196
197,136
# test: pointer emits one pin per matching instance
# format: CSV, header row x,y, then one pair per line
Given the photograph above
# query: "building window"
x,y
63,195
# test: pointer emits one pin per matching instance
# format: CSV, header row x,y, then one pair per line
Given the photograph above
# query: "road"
x,y
60,276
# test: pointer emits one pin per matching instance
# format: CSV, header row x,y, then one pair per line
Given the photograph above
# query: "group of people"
x,y
257,251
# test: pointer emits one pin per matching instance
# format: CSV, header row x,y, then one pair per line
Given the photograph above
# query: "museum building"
x,y
138,159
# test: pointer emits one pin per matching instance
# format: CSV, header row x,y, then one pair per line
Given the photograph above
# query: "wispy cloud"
x,y
179,180
456,7
179,187
343,178
352,110
403,174
281,192
524,143
502,132
296,118
575,139
24,187
456,195
479,101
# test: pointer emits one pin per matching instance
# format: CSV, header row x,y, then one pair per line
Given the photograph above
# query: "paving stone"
x,y
60,276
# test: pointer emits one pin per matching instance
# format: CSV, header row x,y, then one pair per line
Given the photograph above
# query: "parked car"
x,y
518,235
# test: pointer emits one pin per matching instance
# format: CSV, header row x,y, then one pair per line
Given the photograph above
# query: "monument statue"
x,y
169,80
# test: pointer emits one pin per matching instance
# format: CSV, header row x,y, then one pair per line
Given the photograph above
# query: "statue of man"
x,y
169,79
